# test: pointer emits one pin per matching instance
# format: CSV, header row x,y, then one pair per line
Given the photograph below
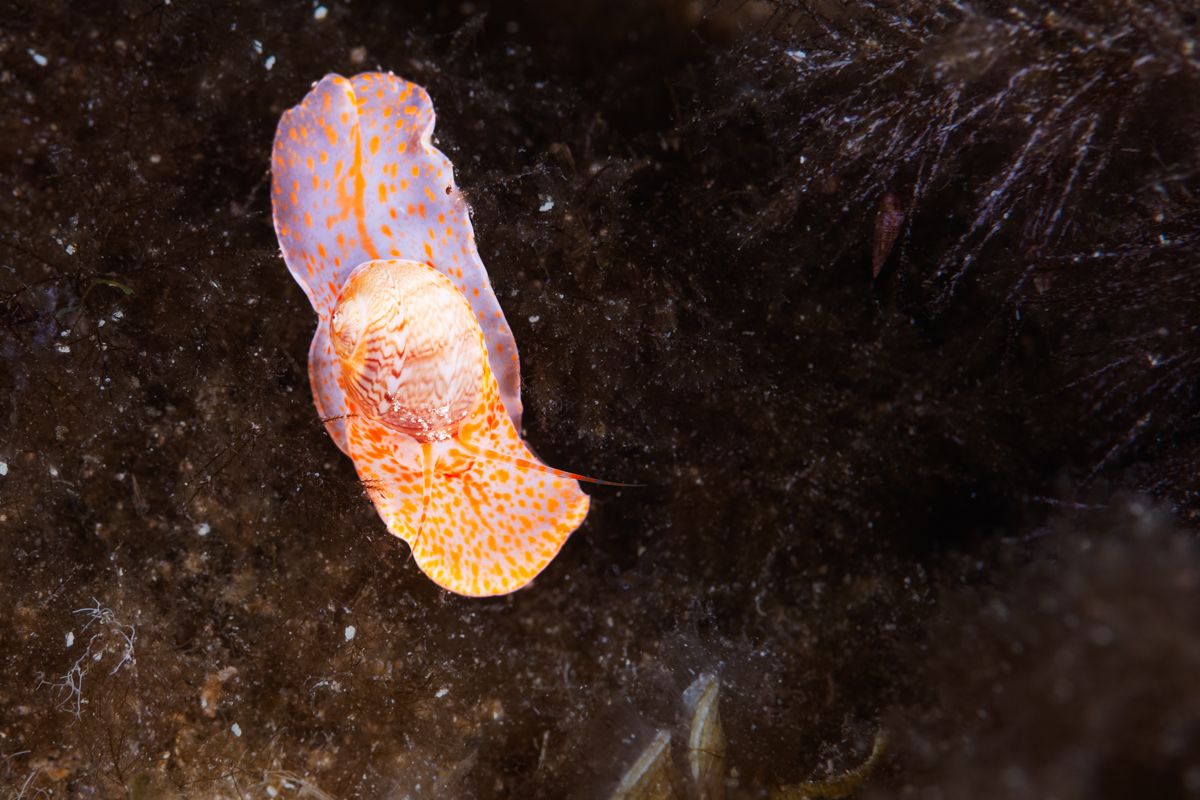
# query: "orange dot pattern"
x,y
492,517
355,177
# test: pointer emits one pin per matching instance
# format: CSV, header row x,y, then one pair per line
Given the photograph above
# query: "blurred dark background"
x,y
891,306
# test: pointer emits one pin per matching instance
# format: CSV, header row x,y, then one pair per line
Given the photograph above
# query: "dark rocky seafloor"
x,y
956,500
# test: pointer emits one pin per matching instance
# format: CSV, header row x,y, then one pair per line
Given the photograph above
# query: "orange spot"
x,y
374,144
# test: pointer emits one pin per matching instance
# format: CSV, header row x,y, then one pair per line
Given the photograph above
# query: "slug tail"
x,y
478,526
537,466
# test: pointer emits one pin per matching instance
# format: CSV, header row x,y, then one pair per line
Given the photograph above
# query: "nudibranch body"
x,y
413,368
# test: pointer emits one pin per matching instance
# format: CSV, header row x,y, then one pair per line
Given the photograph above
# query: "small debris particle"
x,y
358,55
237,729
797,55
155,158
37,57
350,631
270,62
70,638
63,348
54,472
203,529
258,46
546,205
442,692
320,12
210,692
3,468
70,249
534,317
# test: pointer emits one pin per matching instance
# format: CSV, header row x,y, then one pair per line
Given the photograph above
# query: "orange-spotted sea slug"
x,y
413,368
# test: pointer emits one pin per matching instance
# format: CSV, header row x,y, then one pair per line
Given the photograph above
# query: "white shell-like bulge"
x,y
409,347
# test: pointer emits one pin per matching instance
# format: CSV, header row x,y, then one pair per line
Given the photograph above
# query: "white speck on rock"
x,y
3,468
70,249
270,62
203,529
547,204
534,317
257,46
797,55
442,692
63,348
70,638
155,158
350,631
54,472
37,57
320,12
237,729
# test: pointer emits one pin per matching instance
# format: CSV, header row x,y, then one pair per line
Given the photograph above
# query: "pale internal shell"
x,y
409,348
